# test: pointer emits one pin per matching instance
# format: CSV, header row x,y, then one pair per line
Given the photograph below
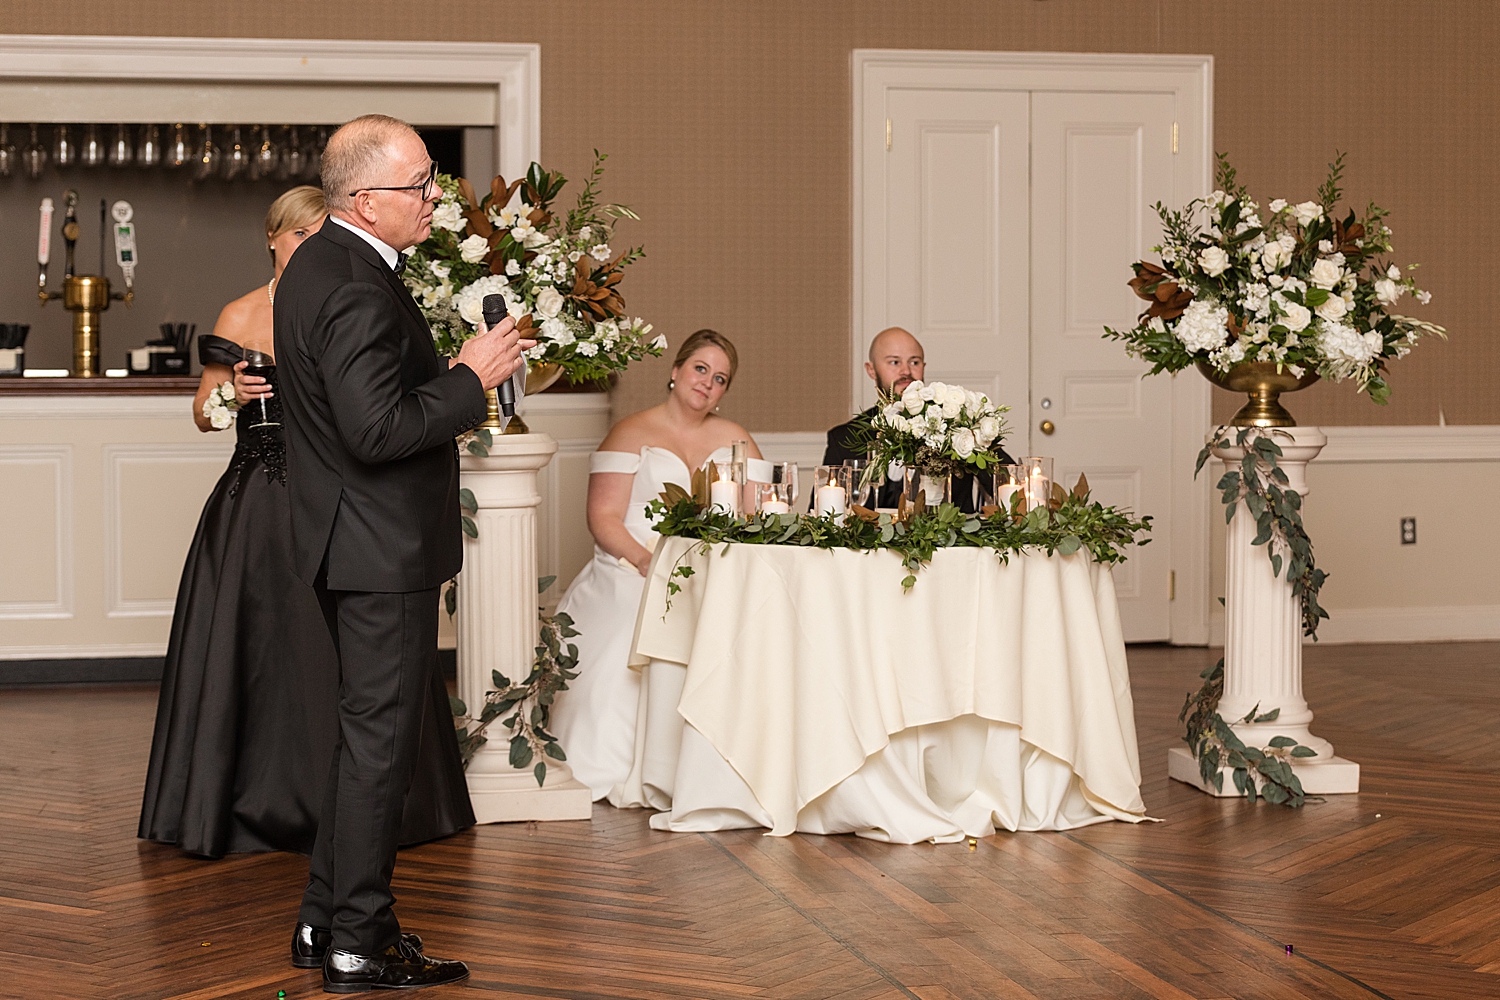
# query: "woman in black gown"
x,y
247,720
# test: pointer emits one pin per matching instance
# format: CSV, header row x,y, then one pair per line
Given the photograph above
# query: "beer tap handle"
x,y
125,252
70,229
44,251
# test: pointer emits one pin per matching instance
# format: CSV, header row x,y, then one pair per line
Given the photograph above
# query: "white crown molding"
x,y
511,70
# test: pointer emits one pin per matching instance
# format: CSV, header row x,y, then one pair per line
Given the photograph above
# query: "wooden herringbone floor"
x,y
1394,892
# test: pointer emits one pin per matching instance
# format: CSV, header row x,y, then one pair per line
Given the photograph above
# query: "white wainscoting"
x,y
1423,452
57,462
209,457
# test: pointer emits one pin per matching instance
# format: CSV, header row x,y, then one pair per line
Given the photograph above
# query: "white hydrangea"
x,y
1204,326
587,348
469,301
1339,342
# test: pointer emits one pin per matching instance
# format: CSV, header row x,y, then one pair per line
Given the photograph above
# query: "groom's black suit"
x,y
372,476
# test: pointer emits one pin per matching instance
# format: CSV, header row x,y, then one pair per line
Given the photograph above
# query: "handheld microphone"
x,y
494,312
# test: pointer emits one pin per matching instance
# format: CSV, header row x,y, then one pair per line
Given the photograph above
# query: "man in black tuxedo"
x,y
896,361
371,415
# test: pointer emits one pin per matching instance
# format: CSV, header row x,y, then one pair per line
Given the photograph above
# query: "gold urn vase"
x,y
1264,384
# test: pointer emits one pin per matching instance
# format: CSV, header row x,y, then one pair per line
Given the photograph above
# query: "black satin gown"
x,y
247,718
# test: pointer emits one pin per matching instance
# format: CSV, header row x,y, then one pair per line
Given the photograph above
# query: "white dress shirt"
x,y
387,253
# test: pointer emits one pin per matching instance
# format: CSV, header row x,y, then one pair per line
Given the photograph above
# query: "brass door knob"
x,y
1048,427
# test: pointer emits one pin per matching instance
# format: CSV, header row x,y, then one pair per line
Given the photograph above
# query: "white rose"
x,y
549,303
558,332
449,216
1387,292
912,400
989,429
1334,309
1275,256
474,249
220,418
441,270
892,412
952,407
512,266
1325,273
1297,316
1214,261
963,442
1307,212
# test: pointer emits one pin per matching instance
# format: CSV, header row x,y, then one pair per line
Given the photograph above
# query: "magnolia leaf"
x,y
700,487
672,494
1081,488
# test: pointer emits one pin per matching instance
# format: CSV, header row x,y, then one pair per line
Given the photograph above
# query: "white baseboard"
x,y
1452,623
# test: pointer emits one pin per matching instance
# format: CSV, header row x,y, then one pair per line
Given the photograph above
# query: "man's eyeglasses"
x,y
425,187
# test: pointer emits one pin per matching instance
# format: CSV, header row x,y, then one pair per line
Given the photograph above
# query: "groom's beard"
x,y
897,387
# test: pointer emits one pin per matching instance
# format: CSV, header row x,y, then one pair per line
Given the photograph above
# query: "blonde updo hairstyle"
x,y
708,338
300,207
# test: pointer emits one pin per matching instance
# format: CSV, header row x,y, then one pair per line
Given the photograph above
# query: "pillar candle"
x,y
775,507
831,499
724,494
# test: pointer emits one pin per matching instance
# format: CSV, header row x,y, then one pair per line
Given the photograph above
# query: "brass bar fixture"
x,y
85,296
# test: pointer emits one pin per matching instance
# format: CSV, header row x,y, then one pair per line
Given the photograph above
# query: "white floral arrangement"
x,y
559,275
1299,288
220,406
938,429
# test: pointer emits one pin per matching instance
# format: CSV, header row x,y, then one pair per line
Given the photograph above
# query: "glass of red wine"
x,y
263,364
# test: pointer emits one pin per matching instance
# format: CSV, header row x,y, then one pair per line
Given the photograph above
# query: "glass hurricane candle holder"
x,y
831,490
774,498
723,491
785,474
1005,481
1037,481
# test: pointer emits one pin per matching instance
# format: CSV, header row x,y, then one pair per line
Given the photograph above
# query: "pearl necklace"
x,y
271,292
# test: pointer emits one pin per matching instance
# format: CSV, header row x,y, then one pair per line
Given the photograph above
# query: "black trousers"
x,y
387,649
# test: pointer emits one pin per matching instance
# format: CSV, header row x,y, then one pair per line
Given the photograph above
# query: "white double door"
x,y
1001,235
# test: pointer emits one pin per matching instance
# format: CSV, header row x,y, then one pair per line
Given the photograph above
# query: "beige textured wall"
x,y
729,128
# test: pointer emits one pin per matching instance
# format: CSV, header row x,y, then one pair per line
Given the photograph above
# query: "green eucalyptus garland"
x,y
1076,523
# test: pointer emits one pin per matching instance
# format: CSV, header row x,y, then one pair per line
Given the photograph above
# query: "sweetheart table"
x,y
800,689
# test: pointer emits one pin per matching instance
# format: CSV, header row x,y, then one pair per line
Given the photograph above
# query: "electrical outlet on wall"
x,y
1408,531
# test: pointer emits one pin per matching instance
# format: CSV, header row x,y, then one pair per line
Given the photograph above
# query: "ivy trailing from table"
x,y
1264,771
1262,485
1072,522
529,701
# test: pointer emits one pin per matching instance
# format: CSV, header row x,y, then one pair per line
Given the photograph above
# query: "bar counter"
x,y
102,481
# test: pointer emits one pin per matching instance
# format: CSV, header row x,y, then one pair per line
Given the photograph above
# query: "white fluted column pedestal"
x,y
1263,642
497,627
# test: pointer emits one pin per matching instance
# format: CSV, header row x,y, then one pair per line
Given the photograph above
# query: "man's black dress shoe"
x,y
399,967
310,945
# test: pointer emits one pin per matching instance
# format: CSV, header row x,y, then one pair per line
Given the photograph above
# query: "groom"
x,y
372,473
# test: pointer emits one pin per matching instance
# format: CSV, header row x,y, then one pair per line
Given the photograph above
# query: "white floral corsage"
x,y
220,406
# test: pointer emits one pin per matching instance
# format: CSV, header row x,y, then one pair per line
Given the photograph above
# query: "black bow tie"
x,y
400,263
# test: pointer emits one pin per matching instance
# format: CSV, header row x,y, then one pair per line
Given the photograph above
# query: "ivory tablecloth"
x,y
801,689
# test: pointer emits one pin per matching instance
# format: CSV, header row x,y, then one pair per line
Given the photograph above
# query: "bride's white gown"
x,y
595,718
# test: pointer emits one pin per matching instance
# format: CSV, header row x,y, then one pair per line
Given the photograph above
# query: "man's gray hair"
x,y
356,155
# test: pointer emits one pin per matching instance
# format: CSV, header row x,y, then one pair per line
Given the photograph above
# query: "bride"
x,y
595,718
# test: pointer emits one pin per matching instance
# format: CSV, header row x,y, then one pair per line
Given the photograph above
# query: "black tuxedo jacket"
x,y
840,447
371,413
